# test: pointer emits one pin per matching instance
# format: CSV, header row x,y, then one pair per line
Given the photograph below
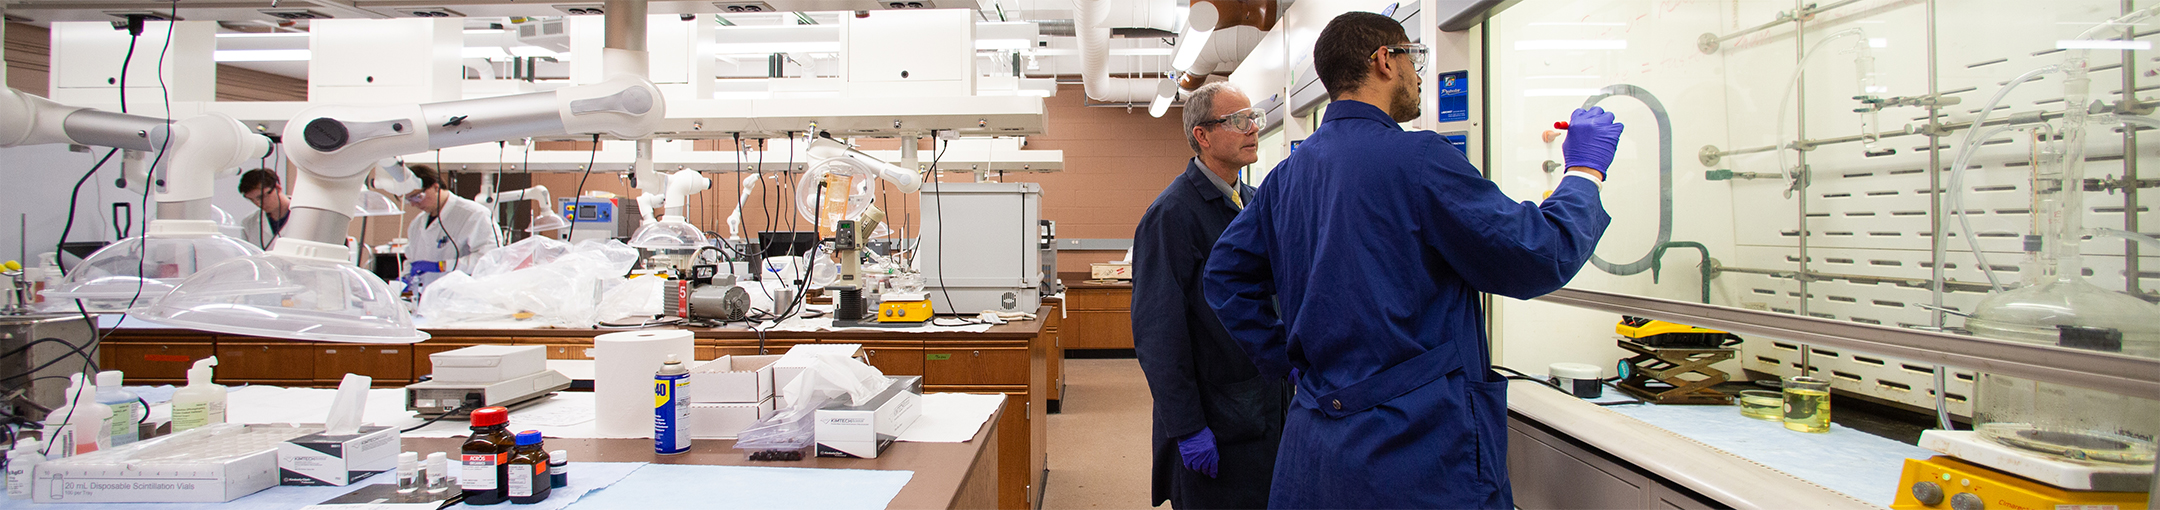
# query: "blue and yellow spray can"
x,y
671,408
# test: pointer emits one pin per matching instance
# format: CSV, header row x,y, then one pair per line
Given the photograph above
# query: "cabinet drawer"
x,y
266,361
1098,299
896,360
152,362
1096,330
561,348
389,365
998,365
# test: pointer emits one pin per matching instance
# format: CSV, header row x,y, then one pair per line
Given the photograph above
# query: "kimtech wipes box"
x,y
862,431
324,459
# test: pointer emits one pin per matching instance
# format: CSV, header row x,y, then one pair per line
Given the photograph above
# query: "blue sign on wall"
x,y
1459,139
1454,96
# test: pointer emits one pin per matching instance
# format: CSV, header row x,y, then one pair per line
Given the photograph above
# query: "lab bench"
x,y
1565,452
1015,359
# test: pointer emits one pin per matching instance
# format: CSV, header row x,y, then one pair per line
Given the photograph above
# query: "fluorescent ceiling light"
x,y
482,31
2094,44
779,47
1003,44
261,55
1562,77
1140,52
486,52
1559,92
532,51
1878,42
1571,44
1577,24
253,35
1188,49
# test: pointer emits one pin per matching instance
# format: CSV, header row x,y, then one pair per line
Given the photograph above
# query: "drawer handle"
x,y
978,354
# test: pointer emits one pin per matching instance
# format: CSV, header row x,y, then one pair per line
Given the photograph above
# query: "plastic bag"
x,y
559,287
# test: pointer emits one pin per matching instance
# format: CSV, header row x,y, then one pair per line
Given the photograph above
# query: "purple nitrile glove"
x,y
1199,452
1592,138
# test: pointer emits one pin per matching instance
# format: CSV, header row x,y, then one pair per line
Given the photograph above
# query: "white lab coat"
x,y
255,229
457,239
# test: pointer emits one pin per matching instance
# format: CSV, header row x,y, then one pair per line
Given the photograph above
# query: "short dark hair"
x,y
256,179
1341,52
427,176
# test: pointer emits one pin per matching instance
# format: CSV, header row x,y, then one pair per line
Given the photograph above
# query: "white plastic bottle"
x,y
22,463
125,414
201,402
80,426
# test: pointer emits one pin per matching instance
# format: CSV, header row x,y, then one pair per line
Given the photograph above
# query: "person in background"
x,y
260,186
1358,266
450,232
1218,420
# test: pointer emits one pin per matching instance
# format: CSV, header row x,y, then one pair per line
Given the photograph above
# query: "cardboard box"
x,y
324,459
726,420
241,460
734,380
799,357
1110,271
488,363
863,431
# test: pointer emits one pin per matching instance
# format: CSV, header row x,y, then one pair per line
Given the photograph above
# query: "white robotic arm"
x,y
829,156
337,144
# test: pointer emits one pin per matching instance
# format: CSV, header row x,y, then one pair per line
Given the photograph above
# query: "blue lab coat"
x,y
1375,243
1197,374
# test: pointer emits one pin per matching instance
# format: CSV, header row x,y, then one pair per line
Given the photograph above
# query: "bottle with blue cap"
x,y
528,467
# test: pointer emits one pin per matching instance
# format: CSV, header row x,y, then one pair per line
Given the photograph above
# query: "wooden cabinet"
x,y
975,366
391,366
1098,316
897,360
162,361
1054,352
262,361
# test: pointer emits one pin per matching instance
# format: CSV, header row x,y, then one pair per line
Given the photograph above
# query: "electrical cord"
x,y
936,184
431,421
150,175
1519,376
74,197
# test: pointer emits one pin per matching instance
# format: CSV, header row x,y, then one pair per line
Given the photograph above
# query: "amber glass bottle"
x,y
485,453
528,469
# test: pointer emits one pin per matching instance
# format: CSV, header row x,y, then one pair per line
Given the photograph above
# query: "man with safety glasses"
x,y
260,187
1358,266
1217,419
450,233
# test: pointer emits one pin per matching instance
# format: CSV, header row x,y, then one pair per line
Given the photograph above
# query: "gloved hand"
x,y
421,267
1592,138
1199,452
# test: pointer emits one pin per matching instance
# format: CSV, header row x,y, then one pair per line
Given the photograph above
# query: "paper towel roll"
x,y
623,367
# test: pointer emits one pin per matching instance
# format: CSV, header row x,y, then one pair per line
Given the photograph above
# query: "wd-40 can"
x,y
671,408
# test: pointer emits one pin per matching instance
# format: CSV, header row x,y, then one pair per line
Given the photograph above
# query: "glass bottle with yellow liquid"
x,y
1807,404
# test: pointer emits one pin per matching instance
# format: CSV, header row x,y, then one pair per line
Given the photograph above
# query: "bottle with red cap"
x,y
486,454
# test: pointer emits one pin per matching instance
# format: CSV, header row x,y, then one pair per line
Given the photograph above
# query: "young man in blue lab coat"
x,y
1358,266
1217,419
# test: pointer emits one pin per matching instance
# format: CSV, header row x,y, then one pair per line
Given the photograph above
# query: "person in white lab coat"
x,y
449,234
260,187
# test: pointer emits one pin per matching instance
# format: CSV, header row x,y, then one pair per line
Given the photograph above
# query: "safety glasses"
x,y
1242,121
1419,54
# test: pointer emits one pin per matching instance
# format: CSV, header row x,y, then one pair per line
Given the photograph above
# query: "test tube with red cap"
x,y
1561,125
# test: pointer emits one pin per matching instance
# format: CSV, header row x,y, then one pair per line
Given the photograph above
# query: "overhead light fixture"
x,y
261,55
1571,44
1165,92
1003,44
1200,20
483,52
1140,52
295,14
532,51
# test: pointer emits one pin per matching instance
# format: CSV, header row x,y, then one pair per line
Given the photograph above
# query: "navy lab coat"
x,y
1198,375
1375,242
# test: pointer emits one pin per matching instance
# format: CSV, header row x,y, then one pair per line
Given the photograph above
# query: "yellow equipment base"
x,y
904,311
1999,490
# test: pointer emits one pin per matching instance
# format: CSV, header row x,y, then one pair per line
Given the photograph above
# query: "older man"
x,y
1218,420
